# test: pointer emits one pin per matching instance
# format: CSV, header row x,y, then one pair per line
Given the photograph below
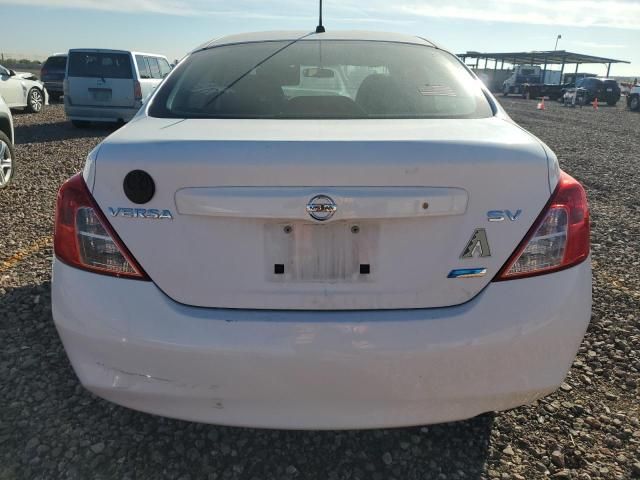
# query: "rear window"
x,y
155,68
164,67
321,79
56,62
143,68
99,65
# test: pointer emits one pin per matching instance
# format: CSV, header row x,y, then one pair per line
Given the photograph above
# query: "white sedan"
x,y
7,156
333,230
22,90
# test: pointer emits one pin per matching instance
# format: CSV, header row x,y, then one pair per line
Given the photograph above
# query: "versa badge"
x,y
150,213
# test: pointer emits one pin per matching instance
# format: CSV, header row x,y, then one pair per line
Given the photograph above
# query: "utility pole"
x,y
557,38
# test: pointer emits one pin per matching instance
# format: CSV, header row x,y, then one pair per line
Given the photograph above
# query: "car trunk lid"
x,y
411,200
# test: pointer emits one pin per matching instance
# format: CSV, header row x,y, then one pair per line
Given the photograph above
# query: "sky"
x,y
37,28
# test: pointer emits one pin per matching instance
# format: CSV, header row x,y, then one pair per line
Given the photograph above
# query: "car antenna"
x,y
320,27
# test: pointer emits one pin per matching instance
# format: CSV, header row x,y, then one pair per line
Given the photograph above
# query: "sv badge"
x,y
501,215
478,245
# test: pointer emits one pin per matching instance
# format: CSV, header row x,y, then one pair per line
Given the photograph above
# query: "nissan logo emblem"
x,y
321,207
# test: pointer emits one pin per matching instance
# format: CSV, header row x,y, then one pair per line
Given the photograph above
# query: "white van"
x,y
109,85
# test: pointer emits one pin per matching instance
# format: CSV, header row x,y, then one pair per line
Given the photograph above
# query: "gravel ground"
x,y
50,427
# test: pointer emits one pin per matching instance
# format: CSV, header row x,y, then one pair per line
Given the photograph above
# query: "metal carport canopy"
x,y
550,57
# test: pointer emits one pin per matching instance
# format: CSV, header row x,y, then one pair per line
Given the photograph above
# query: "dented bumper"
x,y
130,344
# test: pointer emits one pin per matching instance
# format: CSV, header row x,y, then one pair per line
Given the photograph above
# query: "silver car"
x,y
22,90
109,85
7,157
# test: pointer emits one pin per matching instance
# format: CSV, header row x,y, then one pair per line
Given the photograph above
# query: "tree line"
x,y
13,63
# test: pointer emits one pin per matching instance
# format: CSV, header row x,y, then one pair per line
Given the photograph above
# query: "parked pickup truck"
x,y
538,90
555,91
528,74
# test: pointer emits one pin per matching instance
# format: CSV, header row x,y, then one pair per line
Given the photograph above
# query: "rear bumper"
x,y
612,97
99,113
54,87
132,345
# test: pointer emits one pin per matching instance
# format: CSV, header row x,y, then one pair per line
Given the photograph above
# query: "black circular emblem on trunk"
x,y
138,186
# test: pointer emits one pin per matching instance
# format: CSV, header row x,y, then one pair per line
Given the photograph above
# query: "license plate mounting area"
x,y
338,252
100,94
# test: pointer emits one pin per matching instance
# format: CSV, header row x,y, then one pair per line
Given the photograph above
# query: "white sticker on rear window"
x,y
437,91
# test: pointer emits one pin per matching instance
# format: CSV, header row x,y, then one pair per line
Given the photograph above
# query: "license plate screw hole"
x,y
365,269
288,229
278,268
425,205
355,229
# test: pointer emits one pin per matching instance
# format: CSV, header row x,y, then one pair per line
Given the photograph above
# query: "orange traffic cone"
x,y
541,104
595,104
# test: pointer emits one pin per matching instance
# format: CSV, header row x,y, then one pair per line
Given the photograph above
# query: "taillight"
x,y
559,238
137,91
83,237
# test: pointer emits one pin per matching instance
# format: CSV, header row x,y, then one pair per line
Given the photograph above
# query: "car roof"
x,y
109,50
291,35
